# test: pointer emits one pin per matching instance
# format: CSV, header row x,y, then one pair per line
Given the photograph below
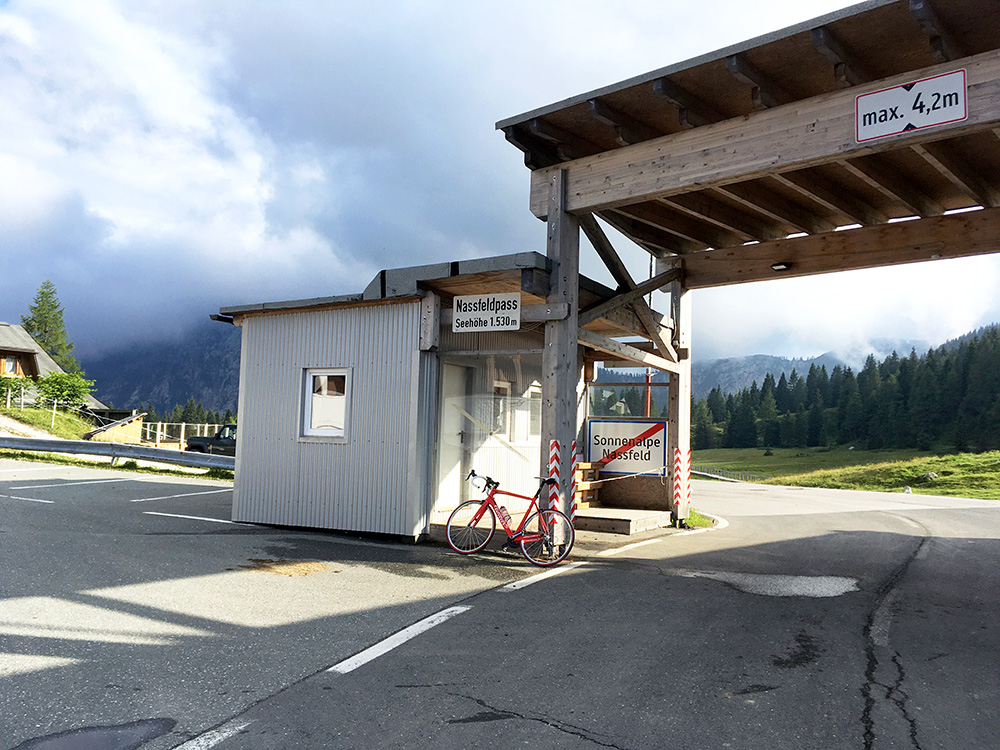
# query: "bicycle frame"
x,y
517,534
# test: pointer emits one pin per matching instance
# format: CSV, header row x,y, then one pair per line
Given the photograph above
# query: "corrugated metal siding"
x,y
360,485
487,341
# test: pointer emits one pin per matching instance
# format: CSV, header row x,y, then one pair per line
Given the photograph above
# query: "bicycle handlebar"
x,y
490,482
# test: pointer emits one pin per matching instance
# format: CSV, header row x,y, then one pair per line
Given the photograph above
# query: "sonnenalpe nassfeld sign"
x,y
628,446
486,312
912,106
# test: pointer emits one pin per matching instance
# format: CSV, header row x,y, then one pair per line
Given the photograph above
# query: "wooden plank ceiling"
x,y
727,228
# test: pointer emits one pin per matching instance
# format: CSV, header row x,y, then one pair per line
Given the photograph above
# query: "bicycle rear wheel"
x,y
550,538
466,537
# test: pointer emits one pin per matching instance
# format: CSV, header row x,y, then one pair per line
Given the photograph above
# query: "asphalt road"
x,y
810,619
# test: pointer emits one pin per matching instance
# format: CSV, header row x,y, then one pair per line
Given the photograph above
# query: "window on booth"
x,y
534,396
10,365
326,402
501,409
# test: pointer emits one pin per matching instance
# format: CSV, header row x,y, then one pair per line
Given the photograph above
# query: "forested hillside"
x,y
948,397
203,367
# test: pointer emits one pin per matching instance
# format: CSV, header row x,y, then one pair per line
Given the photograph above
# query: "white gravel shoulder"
x,y
12,428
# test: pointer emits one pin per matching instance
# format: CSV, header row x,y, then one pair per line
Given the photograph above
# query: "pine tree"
x,y
45,324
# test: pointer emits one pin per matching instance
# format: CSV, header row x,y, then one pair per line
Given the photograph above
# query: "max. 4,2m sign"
x,y
628,446
912,106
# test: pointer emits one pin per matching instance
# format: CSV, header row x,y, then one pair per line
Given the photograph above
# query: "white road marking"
x,y
19,469
214,737
185,494
627,547
525,582
396,640
69,484
190,518
29,499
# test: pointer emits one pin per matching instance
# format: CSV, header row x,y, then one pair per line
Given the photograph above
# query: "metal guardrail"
x,y
726,475
120,450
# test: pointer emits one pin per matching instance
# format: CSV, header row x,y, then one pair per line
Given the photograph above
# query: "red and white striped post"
x,y
554,458
682,483
571,512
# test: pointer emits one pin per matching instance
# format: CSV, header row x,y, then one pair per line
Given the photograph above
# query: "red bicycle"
x,y
545,536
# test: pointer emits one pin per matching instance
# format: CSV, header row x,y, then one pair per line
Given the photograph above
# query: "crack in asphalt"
x,y
876,634
495,713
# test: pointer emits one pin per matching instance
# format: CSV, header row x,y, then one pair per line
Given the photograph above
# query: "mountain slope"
x,y
204,365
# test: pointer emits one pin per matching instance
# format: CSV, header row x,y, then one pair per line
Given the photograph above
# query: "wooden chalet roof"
x,y
747,160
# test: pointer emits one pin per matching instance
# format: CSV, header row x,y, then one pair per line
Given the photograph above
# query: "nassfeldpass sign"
x,y
628,446
486,312
912,106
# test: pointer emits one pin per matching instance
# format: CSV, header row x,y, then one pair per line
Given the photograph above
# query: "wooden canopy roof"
x,y
743,164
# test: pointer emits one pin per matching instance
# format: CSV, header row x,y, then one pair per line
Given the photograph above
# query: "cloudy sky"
x,y
162,158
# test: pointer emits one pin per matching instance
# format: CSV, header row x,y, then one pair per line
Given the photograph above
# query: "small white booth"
x,y
366,412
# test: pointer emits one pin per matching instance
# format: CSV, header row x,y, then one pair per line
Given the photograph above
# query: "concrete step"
x,y
620,520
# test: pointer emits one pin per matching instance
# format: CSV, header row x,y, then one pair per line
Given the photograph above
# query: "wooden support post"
x,y
680,405
561,362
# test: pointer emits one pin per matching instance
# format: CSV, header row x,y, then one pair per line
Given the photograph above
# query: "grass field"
x,y
959,475
66,426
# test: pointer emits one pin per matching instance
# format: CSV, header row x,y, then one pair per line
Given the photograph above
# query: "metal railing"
x,y
120,450
175,432
726,475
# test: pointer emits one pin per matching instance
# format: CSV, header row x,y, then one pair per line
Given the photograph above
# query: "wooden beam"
x,y
893,186
537,154
640,290
623,278
960,172
661,216
692,111
833,196
628,130
756,196
847,69
566,143
766,92
625,351
820,130
562,367
944,46
951,236
656,241
703,206
536,282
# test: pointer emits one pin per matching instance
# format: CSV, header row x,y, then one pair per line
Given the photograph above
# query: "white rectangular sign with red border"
x,y
912,106
628,446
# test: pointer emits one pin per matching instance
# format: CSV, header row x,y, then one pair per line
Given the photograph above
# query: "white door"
x,y
453,439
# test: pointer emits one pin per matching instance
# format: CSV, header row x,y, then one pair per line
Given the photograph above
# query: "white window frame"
x,y
505,411
323,434
532,397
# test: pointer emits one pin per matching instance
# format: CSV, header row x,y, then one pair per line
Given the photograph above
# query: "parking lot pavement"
x,y
132,601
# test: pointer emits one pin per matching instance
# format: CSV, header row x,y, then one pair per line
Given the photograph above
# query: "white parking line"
x,y
191,518
215,736
185,494
626,548
69,484
29,499
396,640
525,582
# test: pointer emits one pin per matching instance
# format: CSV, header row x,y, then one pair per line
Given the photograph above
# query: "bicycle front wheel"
x,y
550,538
465,535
